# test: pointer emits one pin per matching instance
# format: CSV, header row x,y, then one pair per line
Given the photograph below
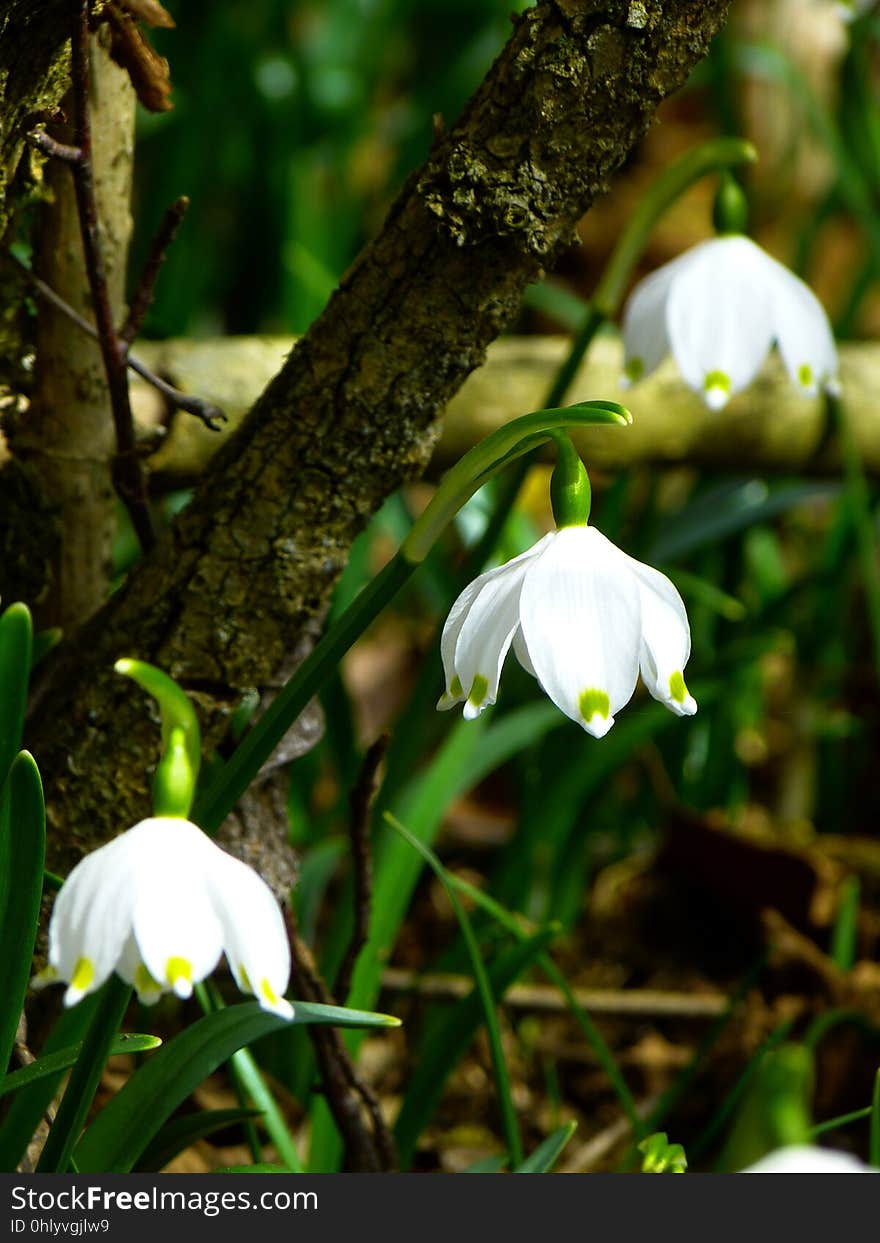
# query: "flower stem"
x,y
84,1078
859,500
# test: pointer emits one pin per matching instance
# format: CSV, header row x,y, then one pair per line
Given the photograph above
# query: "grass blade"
x,y
181,1133
547,1154
483,988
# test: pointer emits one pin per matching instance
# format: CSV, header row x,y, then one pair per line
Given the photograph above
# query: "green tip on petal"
x,y
455,687
677,688
805,375
479,691
718,380
178,973
592,702
83,974
634,369
716,388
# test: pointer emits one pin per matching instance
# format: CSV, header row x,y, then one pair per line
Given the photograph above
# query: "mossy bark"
x,y
248,567
65,440
34,63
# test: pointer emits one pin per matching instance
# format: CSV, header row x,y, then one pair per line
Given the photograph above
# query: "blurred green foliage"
x,y
294,123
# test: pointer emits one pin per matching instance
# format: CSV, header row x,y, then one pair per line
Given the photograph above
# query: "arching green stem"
x,y
175,707
477,466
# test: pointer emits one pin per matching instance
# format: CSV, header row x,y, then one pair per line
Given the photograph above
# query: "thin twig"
x,y
128,476
345,1092
212,416
143,294
361,802
52,147
644,1002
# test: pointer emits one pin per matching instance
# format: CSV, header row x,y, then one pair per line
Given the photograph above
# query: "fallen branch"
x,y
770,428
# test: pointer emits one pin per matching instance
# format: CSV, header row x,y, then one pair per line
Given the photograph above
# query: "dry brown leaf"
x,y
148,11
131,50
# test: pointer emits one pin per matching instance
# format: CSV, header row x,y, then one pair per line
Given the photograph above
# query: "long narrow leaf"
x,y
29,1105
483,989
15,664
57,1063
450,1040
181,1133
124,1128
547,1154
22,854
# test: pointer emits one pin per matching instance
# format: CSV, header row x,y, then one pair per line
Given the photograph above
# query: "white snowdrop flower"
x,y
718,308
159,904
583,617
808,1159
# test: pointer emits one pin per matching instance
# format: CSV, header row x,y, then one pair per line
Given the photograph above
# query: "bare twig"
x,y
212,416
346,1093
143,294
644,1002
362,796
128,476
52,147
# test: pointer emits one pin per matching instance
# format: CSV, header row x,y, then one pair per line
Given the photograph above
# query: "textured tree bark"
x,y
247,569
34,64
65,441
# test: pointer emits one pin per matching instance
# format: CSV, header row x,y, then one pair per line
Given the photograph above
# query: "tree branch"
x,y
249,565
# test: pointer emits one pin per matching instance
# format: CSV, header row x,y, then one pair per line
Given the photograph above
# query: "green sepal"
x,y
569,486
730,211
174,784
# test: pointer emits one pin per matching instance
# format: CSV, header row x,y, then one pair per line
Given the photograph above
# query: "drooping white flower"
x,y
718,308
583,617
809,1159
159,904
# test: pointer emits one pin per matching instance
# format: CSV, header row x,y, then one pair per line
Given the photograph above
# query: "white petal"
x,y
486,636
581,621
645,340
521,652
666,639
808,1159
91,919
174,924
456,687
720,317
806,342
254,935
134,971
